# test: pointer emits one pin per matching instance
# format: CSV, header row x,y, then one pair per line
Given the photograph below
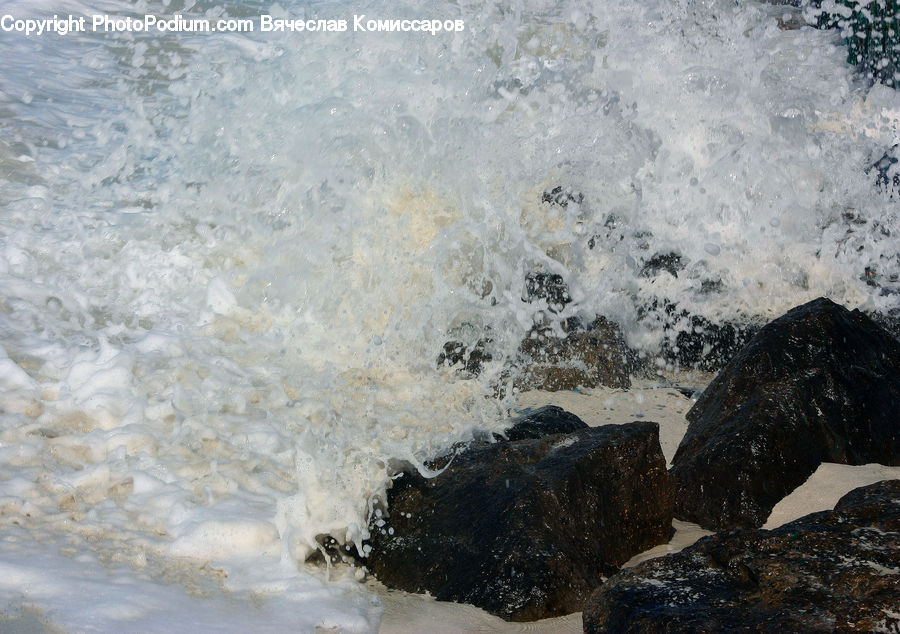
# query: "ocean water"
x,y
229,261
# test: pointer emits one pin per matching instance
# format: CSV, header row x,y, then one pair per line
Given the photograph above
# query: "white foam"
x,y
80,594
229,263
218,539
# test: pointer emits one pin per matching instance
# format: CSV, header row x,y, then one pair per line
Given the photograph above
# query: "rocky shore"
x,y
538,523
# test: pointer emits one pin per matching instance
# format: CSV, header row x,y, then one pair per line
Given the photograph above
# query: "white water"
x,y
229,262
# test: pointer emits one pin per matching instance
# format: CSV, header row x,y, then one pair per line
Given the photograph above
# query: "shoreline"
x,y
651,400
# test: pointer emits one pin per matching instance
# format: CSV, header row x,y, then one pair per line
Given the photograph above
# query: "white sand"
x,y
410,613
406,613
825,487
645,401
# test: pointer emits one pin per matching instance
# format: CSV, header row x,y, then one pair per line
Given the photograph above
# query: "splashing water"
x,y
229,261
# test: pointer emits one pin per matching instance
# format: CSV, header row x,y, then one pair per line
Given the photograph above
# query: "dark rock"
x,y
707,346
561,197
882,271
541,422
692,341
581,359
819,384
890,321
669,262
876,504
332,552
547,286
470,361
614,232
886,171
835,571
887,285
869,31
526,529
530,424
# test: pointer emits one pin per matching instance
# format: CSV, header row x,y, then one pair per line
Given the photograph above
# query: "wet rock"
x,y
547,286
707,346
819,384
584,358
887,284
692,341
469,361
541,422
331,552
869,31
529,424
883,269
831,571
889,320
669,262
614,232
877,504
526,529
886,171
561,197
